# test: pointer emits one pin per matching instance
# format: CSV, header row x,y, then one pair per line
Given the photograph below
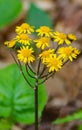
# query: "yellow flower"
x,y
45,54
61,38
42,42
25,54
11,43
72,37
53,63
23,38
24,28
68,53
44,31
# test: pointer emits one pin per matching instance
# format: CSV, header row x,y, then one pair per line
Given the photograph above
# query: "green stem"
x,y
31,68
56,49
39,63
36,104
28,72
44,68
46,78
36,95
45,75
14,58
24,75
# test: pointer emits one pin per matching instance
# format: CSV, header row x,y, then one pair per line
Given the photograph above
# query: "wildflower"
x,y
45,54
25,54
68,53
72,37
24,28
42,42
44,31
53,63
11,43
61,38
23,38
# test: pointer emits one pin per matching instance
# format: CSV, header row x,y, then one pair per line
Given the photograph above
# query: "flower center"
x,y
45,29
62,36
68,51
44,40
46,54
25,26
54,62
24,37
26,53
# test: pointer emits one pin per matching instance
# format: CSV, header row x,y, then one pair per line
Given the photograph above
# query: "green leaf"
x,y
75,116
37,17
9,10
5,125
17,98
79,127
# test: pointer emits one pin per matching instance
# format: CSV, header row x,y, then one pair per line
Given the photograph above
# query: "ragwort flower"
x,y
42,42
45,54
53,63
44,31
68,53
23,38
61,38
72,37
25,54
24,28
11,43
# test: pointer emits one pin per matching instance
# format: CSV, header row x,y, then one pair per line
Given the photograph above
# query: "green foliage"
x,y
9,10
17,98
37,17
75,116
80,127
5,125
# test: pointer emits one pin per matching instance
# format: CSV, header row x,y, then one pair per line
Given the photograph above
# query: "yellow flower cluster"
x,y
53,59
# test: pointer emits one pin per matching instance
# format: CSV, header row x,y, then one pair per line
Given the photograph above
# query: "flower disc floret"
x,y
23,38
11,43
44,31
43,42
66,53
61,38
53,63
45,54
25,54
24,28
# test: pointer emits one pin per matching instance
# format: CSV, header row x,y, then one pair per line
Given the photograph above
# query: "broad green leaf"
x,y
17,98
37,17
9,10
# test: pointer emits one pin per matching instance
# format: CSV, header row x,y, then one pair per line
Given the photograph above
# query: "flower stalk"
x,y
36,104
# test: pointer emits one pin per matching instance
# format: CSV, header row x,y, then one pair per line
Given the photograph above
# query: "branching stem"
x,y
28,72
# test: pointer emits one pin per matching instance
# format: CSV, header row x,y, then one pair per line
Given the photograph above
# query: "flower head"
x,y
11,43
61,38
44,31
23,38
53,63
45,54
25,54
72,37
24,28
68,53
42,42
